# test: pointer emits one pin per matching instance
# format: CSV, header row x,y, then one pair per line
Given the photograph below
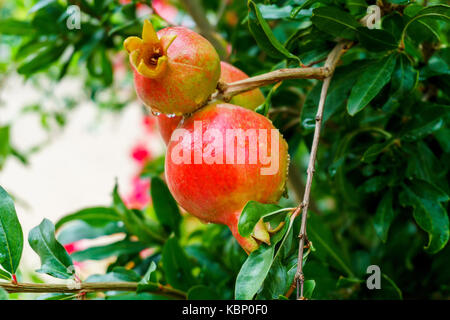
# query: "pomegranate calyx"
x,y
147,55
261,233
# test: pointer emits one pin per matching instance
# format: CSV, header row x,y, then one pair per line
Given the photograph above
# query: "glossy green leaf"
x,y
165,206
274,12
176,265
149,275
95,216
253,272
440,12
55,260
430,119
264,35
4,275
404,80
428,212
304,5
335,22
370,83
252,213
384,216
376,39
109,250
308,288
372,153
78,230
11,236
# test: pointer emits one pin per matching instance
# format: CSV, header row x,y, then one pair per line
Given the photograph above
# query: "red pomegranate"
x,y
175,70
218,160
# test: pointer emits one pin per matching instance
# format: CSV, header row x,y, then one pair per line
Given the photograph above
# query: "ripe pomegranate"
x,y
229,73
175,70
214,178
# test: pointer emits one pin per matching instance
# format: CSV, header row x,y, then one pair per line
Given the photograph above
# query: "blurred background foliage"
x,y
380,193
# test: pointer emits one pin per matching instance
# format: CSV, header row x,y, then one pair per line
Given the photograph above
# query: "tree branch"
x,y
330,66
86,288
227,90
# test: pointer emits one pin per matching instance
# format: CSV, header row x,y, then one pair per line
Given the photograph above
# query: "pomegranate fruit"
x,y
229,73
175,70
218,160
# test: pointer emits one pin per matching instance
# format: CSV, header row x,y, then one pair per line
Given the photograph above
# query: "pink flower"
x,y
140,195
141,154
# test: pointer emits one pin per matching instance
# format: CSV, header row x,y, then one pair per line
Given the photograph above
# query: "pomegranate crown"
x,y
147,55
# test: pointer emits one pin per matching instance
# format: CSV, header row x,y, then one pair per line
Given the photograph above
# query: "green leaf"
x,y
376,39
41,60
274,12
430,119
3,294
252,213
5,148
253,272
95,216
165,206
384,216
4,275
335,22
148,231
202,292
372,153
40,5
440,12
428,212
149,275
55,260
404,80
308,288
78,230
264,36
176,265
370,83
11,236
304,5
109,250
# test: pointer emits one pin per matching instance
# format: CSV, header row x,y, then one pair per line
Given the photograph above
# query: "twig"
x,y
205,28
330,65
83,288
227,90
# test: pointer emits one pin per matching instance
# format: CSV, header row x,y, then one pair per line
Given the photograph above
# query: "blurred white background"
x,y
77,168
